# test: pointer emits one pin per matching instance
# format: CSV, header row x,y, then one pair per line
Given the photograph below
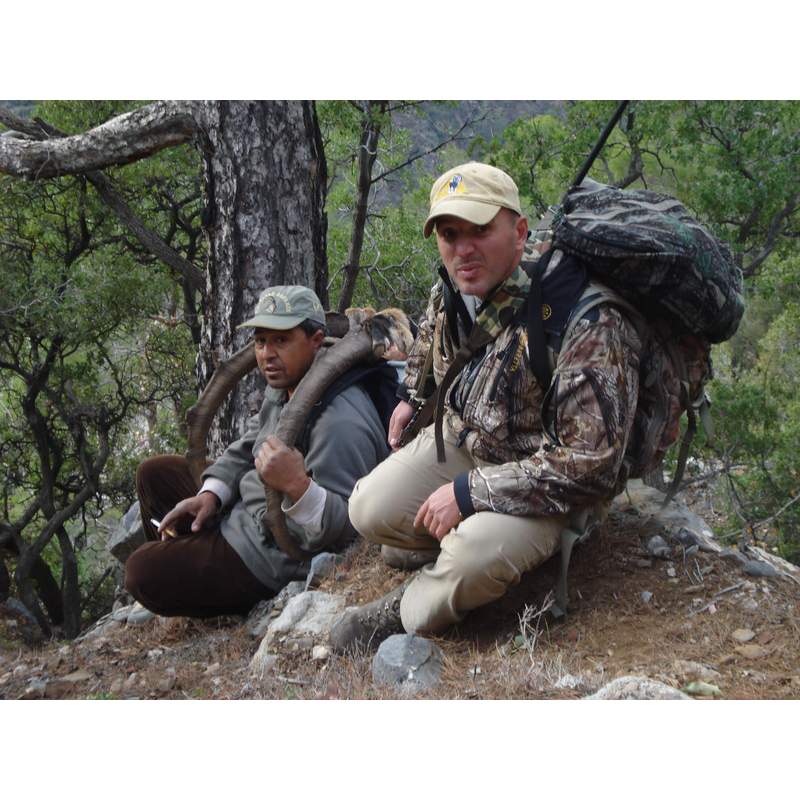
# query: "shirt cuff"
x,y
217,487
463,498
308,510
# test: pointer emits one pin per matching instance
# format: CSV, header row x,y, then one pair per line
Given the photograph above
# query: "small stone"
x,y
322,566
643,563
687,540
751,650
671,572
647,596
658,546
743,635
634,687
167,684
759,569
404,658
35,690
58,687
692,670
702,689
320,653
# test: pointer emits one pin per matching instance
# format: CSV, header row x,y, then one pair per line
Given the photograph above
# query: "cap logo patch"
x,y
454,186
269,304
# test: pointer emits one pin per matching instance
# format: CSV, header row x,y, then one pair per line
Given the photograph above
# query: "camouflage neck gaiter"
x,y
497,311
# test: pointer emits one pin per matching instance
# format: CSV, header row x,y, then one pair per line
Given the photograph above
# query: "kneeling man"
x,y
213,552
483,494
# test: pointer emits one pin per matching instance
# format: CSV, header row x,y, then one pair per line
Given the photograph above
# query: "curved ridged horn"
x,y
329,364
199,417
366,343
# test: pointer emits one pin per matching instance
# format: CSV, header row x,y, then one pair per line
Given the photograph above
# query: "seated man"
x,y
212,552
488,500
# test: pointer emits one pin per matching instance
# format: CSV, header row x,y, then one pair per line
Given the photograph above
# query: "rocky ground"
x,y
697,618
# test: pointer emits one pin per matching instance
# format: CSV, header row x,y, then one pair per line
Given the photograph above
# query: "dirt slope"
x,y
678,619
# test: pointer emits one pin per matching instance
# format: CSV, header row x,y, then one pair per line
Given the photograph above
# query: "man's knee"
x,y
142,570
362,506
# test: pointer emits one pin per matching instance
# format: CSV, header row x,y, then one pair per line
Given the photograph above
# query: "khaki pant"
x,y
477,561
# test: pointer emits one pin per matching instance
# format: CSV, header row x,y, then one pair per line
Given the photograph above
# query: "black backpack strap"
x,y
537,341
454,307
379,380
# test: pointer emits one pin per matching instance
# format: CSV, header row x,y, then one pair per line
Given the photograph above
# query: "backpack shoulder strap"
x,y
379,380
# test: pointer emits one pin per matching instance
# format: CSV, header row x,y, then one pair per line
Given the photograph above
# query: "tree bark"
x,y
265,175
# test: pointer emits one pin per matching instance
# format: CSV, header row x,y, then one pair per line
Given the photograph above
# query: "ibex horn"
x,y
361,344
226,375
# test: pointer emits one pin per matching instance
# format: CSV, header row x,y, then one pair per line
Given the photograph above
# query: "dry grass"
x,y
509,650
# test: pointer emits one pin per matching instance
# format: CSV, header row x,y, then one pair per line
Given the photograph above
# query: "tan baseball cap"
x,y
282,307
475,192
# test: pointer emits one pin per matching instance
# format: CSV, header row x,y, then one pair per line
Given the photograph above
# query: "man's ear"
x,y
318,337
521,230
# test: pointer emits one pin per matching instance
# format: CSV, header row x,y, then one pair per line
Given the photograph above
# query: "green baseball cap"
x,y
282,307
475,192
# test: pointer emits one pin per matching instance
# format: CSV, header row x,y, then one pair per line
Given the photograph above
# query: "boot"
x,y
370,624
400,558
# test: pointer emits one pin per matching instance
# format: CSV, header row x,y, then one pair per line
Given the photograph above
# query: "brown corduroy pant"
x,y
195,574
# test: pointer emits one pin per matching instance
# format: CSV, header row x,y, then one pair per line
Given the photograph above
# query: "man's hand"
x,y
201,507
439,514
400,417
282,468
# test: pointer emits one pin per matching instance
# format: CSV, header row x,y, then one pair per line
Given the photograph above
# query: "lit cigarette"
x,y
166,530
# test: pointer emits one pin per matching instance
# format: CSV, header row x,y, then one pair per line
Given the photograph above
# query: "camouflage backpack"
x,y
679,287
677,284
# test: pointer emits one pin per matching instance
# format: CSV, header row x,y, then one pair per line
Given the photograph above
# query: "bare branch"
x,y
122,140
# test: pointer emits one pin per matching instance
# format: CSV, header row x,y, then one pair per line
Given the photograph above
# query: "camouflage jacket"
x,y
494,408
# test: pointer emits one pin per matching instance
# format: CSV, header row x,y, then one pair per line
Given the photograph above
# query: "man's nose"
x,y
465,245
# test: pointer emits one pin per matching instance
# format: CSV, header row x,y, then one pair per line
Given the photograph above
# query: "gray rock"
x,y
407,659
759,569
635,687
676,517
323,565
263,613
658,546
734,555
306,618
784,567
13,604
128,536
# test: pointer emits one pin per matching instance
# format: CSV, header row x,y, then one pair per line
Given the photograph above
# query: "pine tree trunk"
x,y
265,225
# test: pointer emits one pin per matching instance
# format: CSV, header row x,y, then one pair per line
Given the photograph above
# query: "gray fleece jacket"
x,y
346,442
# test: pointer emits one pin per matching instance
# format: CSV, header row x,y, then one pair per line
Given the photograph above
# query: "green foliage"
x,y
94,366
758,416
